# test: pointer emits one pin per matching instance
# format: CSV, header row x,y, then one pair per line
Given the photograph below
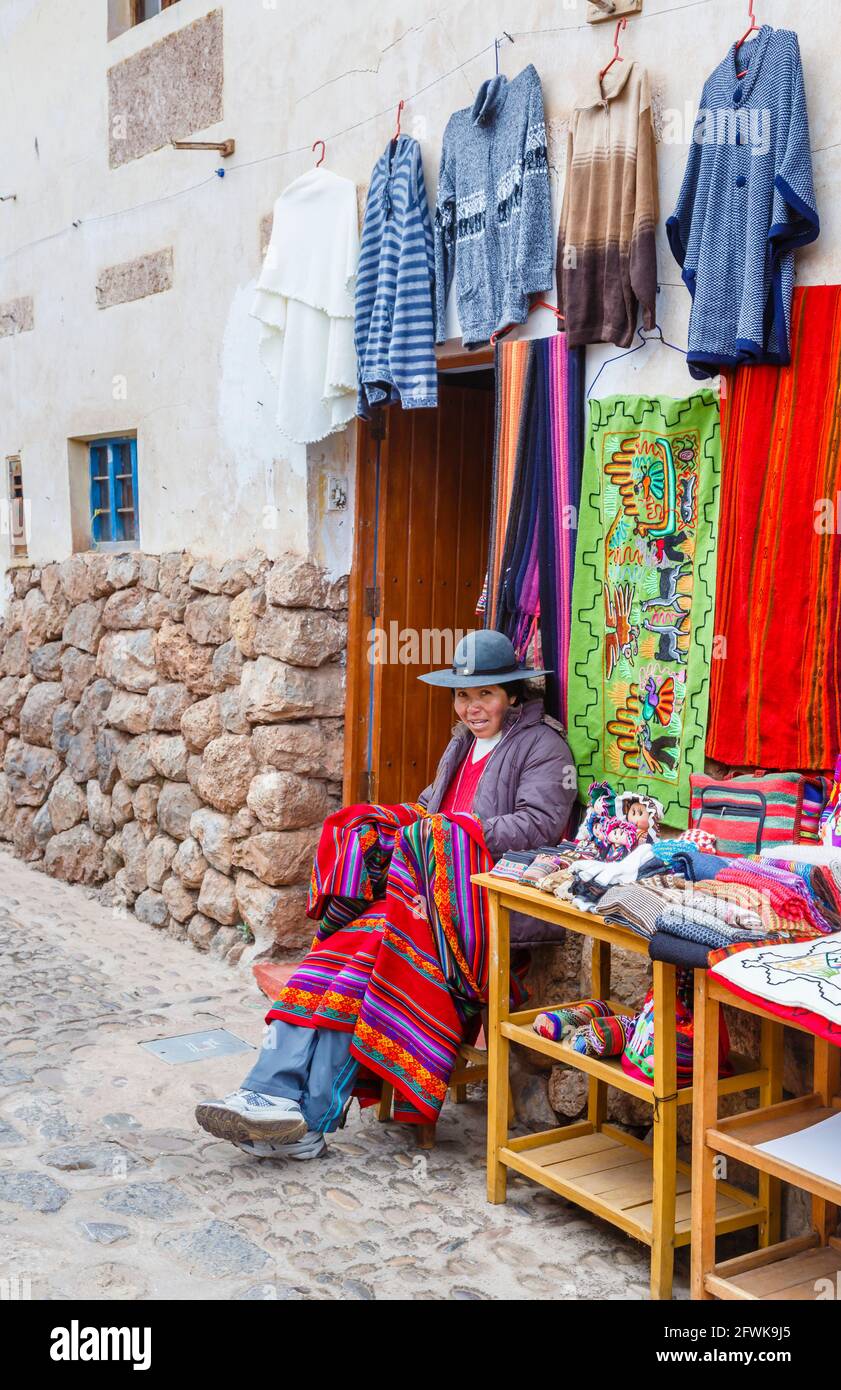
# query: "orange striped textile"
x,y
775,699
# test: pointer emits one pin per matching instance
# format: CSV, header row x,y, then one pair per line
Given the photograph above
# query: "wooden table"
x,y
792,1269
644,1189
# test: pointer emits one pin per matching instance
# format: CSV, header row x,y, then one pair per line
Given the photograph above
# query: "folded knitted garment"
x,y
694,924
633,905
733,908
541,867
789,899
676,950
513,864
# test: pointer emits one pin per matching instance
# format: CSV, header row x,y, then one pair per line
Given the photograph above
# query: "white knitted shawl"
x,y
304,302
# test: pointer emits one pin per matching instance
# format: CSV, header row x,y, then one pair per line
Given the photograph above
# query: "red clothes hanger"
x,y
754,29
536,304
323,151
617,56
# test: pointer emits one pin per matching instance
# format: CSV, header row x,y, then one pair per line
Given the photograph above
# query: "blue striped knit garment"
x,y
394,327
746,204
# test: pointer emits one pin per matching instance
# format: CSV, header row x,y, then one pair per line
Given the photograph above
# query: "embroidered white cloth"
x,y
798,974
304,302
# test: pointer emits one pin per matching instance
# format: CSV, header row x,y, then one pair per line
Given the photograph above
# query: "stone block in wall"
x,y
201,723
176,805
37,712
300,636
212,830
93,703
135,279
160,853
43,620
189,863
167,703
78,669
179,658
84,627
45,661
226,772
150,907
295,581
15,655
217,898
201,931
285,801
166,92
273,690
30,771
75,855
277,857
168,753
67,802
17,316
311,747
128,659
129,712
206,620
243,615
179,899
276,916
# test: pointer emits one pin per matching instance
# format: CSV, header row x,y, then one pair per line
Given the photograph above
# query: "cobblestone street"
x,y
108,1190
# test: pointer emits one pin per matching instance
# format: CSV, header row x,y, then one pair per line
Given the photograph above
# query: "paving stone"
x,y
33,1191
99,1158
156,1200
219,1249
103,1232
9,1135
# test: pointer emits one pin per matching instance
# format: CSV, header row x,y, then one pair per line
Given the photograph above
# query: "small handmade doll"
x,y
601,797
644,812
620,838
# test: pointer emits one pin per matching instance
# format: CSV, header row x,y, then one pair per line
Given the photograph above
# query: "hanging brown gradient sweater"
x,y
607,263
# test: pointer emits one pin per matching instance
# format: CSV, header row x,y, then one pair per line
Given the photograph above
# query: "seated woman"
x,y
398,972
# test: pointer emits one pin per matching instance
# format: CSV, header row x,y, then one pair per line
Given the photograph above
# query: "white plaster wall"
x,y
211,458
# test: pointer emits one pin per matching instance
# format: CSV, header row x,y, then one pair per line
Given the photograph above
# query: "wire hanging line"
x,y
493,47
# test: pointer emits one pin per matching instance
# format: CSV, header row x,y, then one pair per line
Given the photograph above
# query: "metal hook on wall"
x,y
497,45
323,151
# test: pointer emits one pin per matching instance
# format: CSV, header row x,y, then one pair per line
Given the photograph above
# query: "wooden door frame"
x,y
366,585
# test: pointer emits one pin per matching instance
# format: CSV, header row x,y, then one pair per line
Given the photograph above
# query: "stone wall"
x,y
171,734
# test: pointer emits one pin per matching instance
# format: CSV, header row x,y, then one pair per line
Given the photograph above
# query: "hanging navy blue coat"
x,y
746,204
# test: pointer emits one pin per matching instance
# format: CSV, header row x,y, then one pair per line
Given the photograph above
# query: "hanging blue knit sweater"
x,y
394,333
493,219
746,204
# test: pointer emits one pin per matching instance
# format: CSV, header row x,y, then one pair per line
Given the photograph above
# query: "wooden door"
x,y
423,509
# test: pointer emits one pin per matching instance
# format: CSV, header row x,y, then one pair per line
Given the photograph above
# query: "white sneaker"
x,y
245,1115
313,1145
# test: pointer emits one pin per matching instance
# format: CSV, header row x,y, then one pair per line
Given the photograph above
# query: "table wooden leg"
x,y
827,1083
770,1092
384,1103
665,1132
498,1047
704,1116
597,1090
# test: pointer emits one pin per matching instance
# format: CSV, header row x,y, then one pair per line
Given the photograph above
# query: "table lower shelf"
x,y
611,1175
800,1270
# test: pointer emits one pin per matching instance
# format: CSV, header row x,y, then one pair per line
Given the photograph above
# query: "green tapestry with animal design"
x,y
644,595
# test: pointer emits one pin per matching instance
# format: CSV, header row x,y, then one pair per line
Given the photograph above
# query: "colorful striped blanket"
x,y
400,959
775,698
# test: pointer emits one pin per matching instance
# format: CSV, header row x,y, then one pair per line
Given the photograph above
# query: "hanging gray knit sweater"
x,y
493,218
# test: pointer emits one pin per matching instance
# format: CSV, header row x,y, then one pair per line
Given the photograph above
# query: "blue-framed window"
x,y
113,473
